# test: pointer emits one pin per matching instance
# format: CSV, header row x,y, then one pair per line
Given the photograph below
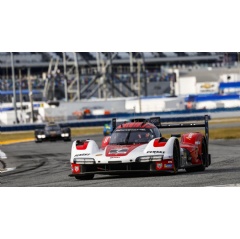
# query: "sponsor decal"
x,y
197,142
118,151
155,152
126,130
168,165
159,165
189,136
169,161
207,85
81,155
106,140
76,169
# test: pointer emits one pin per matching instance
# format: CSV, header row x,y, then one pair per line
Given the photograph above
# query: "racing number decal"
x,y
75,168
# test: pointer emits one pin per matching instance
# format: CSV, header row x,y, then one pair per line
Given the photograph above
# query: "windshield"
x,y
53,128
131,136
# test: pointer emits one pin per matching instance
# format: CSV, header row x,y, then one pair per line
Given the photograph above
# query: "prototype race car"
x,y
52,132
138,147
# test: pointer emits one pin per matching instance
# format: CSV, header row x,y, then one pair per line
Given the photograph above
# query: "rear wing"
x,y
157,122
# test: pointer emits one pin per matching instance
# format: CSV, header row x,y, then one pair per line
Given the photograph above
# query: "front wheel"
x,y
176,156
85,177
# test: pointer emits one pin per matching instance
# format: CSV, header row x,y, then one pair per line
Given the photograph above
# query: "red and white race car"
x,y
138,146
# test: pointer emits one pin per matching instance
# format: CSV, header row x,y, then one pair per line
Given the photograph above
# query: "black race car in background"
x,y
52,132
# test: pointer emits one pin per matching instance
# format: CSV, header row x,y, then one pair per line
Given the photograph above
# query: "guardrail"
x,y
173,116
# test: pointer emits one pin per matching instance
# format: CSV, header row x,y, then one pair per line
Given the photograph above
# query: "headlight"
x,y
84,161
65,135
153,158
40,136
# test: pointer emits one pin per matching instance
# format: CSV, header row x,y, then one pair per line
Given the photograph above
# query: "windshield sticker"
x,y
127,130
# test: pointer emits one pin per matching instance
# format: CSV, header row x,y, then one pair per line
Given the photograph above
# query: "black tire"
x,y
2,165
176,156
204,157
85,177
67,140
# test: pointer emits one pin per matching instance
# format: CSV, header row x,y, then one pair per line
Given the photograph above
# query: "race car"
x,y
139,147
52,132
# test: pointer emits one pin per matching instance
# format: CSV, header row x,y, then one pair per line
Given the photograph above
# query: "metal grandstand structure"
x,y
98,74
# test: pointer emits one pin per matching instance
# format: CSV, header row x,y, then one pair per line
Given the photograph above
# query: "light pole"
x,y
14,89
139,86
65,76
30,93
77,75
21,98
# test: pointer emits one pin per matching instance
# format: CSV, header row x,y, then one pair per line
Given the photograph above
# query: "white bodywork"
x,y
99,155
2,155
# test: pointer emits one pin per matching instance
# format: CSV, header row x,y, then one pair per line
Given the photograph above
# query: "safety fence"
x,y
93,122
96,121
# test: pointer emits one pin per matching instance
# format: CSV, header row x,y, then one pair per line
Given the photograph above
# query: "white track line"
x,y
227,185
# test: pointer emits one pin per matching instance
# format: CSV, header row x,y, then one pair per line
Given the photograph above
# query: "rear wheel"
x,y
85,177
204,156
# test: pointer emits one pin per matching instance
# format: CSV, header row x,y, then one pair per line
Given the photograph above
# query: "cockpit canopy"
x,y
54,127
133,135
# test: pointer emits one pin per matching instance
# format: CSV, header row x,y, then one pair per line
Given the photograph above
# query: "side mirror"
x,y
105,141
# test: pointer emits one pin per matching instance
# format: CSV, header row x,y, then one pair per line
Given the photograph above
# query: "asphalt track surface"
x,y
47,165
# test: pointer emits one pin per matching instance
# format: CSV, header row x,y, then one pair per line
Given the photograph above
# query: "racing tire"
x,y
204,156
38,141
176,156
2,165
67,140
85,177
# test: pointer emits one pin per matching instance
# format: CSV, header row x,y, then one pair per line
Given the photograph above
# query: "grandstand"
x,y
83,75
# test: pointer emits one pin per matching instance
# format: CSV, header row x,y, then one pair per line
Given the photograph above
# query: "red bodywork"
x,y
193,143
82,146
138,125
